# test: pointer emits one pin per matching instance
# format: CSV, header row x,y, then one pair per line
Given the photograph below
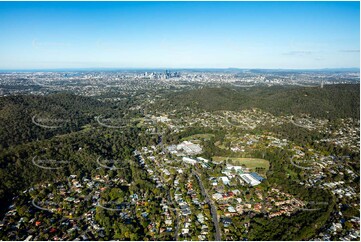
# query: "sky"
x,y
286,35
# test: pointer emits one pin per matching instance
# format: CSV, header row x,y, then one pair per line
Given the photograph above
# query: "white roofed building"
x,y
249,179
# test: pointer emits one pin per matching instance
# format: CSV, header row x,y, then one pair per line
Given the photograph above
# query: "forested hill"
x,y
333,101
16,113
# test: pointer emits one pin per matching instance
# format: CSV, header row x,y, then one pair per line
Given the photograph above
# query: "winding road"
x,y
175,210
217,235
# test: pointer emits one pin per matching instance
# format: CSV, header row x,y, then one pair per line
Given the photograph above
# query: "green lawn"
x,y
199,136
251,163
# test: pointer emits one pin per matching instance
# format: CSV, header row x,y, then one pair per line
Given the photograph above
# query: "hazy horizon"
x,y
60,69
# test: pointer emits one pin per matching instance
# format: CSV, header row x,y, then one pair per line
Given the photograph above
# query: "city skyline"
x,y
264,35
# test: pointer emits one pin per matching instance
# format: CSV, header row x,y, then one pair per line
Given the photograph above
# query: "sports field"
x,y
250,163
199,136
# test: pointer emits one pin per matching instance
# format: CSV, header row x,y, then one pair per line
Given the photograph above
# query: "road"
x,y
306,126
176,232
302,167
217,235
171,203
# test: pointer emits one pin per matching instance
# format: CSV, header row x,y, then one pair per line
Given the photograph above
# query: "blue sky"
x,y
179,34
